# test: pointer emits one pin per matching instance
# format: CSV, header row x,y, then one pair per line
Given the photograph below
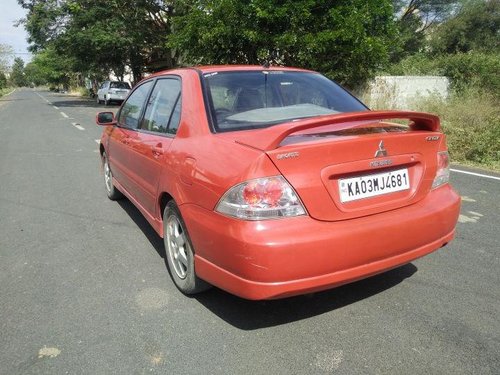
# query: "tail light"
x,y
263,198
443,169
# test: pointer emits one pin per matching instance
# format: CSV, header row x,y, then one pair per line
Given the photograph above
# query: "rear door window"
x,y
163,111
132,108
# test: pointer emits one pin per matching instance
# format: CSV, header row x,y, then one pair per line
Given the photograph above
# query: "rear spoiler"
x,y
270,138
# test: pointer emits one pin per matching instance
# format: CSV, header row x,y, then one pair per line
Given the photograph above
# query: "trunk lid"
x,y
354,164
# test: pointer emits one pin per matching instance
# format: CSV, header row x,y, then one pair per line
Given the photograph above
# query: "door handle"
x,y
157,150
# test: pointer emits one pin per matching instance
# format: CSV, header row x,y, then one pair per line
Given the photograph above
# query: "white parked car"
x,y
112,91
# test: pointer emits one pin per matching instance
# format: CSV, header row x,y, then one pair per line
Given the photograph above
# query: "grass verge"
x,y
470,118
471,122
5,91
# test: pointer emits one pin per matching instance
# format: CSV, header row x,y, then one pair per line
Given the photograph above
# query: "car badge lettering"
x,y
432,138
380,163
288,155
381,150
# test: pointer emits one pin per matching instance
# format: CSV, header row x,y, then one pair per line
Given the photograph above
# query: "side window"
x,y
163,110
175,118
132,108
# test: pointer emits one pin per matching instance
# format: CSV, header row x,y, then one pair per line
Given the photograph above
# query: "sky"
x,y
10,12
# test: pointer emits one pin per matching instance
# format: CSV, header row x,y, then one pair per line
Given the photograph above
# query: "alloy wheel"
x,y
108,176
177,243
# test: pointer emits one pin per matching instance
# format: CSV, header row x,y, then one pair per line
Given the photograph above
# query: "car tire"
x,y
112,192
98,100
179,252
106,101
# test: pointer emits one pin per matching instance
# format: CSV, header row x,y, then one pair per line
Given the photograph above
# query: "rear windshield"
x,y
254,99
119,85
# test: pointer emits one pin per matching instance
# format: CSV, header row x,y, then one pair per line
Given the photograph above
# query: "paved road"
x,y
84,287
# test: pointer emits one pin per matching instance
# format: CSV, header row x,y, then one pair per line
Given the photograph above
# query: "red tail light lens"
x,y
263,198
267,191
443,169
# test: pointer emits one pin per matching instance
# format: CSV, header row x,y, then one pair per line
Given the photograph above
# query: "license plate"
x,y
372,185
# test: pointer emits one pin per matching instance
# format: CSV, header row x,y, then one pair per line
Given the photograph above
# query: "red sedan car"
x,y
272,182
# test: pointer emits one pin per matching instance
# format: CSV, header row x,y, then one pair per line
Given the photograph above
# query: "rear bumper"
x,y
117,97
280,258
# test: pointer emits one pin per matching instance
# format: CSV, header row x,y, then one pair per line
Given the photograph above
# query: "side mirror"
x,y
105,119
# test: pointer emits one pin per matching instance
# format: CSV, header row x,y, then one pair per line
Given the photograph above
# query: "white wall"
x,y
399,92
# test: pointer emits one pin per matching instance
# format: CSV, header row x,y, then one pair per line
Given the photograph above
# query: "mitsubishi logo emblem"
x,y
381,150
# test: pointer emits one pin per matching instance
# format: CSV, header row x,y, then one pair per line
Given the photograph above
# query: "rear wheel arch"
x,y
179,251
163,201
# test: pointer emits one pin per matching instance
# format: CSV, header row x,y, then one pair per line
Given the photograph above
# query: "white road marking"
x,y
467,199
476,174
48,352
98,141
55,107
64,114
43,98
468,219
78,126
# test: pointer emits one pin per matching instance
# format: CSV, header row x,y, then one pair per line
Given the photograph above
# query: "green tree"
x,y
17,77
44,21
99,36
34,74
3,80
414,20
49,67
476,27
347,40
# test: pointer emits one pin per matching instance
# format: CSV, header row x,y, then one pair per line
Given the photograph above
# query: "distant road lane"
x,y
84,288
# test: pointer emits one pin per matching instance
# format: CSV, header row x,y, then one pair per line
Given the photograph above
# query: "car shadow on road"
x,y
153,238
81,103
251,315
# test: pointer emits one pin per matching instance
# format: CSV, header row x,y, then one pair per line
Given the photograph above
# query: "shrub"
x,y
3,80
479,70
474,69
471,120
80,91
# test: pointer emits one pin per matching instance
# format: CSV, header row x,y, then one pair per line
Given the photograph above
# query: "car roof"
x,y
228,68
